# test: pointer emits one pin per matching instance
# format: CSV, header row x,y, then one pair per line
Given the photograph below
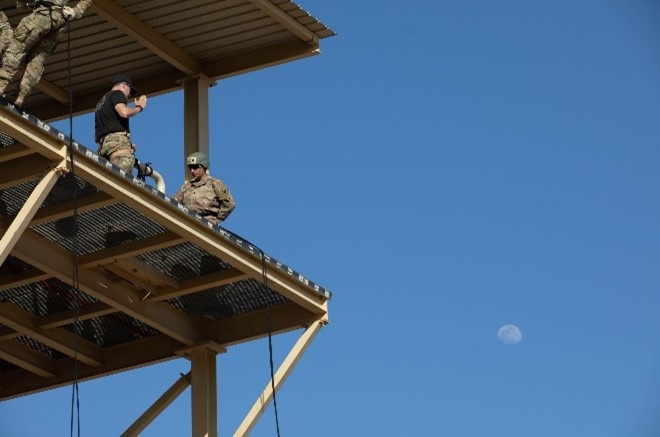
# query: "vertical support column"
x,y
204,396
195,116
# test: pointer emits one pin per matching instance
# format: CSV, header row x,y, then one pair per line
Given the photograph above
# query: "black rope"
x,y
270,344
75,395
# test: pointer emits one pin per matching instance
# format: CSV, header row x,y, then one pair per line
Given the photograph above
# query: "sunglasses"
x,y
194,166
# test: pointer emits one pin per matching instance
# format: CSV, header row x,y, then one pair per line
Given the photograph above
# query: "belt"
x,y
125,133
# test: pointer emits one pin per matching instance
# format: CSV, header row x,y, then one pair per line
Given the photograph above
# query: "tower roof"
x,y
160,42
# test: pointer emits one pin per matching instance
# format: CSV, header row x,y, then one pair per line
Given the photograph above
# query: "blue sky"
x,y
444,168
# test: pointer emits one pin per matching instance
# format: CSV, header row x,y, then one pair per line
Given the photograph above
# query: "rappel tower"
x,y
98,266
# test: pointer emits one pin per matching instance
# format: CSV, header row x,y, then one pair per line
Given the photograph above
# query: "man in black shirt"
x,y
111,123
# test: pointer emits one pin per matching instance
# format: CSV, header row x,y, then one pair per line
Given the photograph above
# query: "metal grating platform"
x,y
153,279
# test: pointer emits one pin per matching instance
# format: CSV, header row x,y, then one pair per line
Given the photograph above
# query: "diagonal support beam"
x,y
53,91
287,21
158,407
32,204
147,36
280,376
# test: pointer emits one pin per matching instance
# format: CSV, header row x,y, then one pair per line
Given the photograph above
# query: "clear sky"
x,y
444,168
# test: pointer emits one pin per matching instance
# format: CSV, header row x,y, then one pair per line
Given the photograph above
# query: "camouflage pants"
x,y
124,160
118,149
35,37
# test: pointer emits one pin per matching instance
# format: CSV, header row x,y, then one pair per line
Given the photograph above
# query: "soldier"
x,y
111,123
206,195
36,37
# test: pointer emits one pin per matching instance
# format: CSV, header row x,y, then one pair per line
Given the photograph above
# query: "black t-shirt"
x,y
106,119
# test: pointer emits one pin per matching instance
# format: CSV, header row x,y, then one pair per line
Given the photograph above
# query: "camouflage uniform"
x,y
35,37
6,32
209,197
117,148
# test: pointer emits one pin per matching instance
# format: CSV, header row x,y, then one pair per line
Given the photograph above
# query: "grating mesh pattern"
x,y
117,224
43,298
63,190
12,199
6,140
39,347
229,300
12,266
113,329
184,261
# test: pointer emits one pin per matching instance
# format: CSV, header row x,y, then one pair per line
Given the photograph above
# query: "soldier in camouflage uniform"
x,y
206,195
111,123
36,37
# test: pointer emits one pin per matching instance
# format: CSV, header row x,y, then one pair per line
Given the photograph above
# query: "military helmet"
x,y
198,158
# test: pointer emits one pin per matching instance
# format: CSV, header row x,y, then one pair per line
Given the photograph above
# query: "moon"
x,y
509,334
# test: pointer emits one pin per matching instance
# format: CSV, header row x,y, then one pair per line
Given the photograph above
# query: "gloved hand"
x,y
68,12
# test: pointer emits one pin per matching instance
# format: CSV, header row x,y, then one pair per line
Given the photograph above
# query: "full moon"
x,y
509,334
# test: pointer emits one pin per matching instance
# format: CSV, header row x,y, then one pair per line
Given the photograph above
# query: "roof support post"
x,y
158,407
204,397
195,116
280,376
32,204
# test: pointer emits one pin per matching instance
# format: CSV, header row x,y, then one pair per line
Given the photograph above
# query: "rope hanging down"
x,y
270,344
75,396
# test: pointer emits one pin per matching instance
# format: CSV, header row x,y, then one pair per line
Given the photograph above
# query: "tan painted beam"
x,y
97,309
15,151
22,278
24,169
131,249
200,283
28,359
53,91
287,21
158,407
118,358
33,202
261,58
84,204
280,376
147,36
255,324
27,324
51,258
91,311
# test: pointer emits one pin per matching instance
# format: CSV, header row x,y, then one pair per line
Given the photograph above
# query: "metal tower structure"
x,y
150,281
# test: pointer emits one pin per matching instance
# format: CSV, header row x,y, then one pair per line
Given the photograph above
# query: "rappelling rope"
x,y
75,397
270,343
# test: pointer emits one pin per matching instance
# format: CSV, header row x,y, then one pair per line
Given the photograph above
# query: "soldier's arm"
x,y
227,203
179,194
